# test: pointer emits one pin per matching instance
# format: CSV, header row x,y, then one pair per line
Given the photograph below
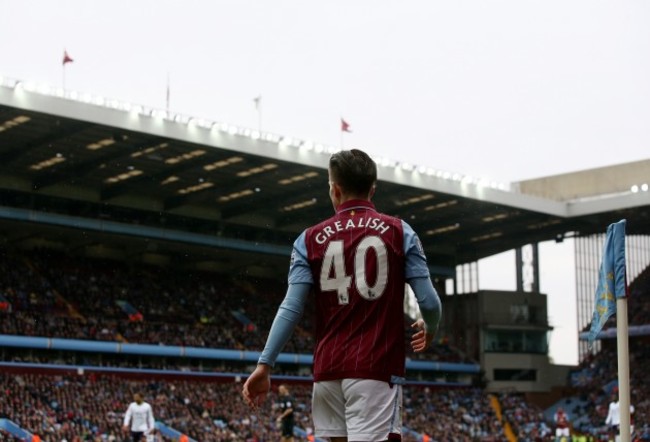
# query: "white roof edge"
x,y
472,191
272,148
618,202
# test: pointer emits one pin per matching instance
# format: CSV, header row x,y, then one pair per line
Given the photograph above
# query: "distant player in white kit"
x,y
140,416
613,419
355,266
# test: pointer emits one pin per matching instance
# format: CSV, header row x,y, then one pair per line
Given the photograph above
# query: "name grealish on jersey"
x,y
362,223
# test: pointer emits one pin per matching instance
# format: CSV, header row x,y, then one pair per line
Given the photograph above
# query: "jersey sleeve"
x,y
415,261
127,415
285,321
299,270
151,423
610,415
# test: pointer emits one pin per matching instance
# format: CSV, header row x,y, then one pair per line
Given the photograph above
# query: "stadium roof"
x,y
80,155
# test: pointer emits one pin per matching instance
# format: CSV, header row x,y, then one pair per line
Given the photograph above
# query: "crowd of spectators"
x,y
461,415
54,295
526,420
595,382
91,407
73,408
639,305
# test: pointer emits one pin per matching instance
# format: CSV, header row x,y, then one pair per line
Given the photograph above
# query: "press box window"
x,y
506,374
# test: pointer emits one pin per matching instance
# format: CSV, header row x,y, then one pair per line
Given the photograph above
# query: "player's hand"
x,y
125,428
257,386
421,340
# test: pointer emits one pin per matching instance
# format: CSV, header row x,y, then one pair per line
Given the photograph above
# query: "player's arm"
x,y
431,310
417,273
286,319
259,382
287,411
293,305
151,420
609,418
284,415
127,417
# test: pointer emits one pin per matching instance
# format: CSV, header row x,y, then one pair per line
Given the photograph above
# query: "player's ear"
x,y
372,191
336,189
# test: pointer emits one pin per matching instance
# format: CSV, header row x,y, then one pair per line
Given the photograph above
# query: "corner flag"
x,y
612,282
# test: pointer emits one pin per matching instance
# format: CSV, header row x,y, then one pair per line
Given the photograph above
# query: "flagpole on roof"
x,y
258,108
345,127
167,96
66,59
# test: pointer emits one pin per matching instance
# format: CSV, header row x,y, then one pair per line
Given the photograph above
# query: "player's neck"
x,y
346,198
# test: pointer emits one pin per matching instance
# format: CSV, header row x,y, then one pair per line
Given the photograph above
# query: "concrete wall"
x,y
513,309
588,183
521,361
469,317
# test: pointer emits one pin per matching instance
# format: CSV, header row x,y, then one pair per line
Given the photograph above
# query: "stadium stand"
x,y
89,407
51,294
55,295
594,381
85,202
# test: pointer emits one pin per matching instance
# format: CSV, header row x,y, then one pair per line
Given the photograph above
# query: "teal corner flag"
x,y
612,280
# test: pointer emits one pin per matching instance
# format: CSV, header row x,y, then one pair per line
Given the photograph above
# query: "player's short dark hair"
x,y
354,171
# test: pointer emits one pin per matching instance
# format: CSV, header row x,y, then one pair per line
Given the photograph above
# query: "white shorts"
x,y
559,432
363,410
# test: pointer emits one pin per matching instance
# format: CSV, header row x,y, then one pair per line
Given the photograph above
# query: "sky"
x,y
506,89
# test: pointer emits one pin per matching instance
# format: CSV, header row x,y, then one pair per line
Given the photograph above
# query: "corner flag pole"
x,y
622,339
623,368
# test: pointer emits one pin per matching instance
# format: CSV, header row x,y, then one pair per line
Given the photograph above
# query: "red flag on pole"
x,y
66,58
345,127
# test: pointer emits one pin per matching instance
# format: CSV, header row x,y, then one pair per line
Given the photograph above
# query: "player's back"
x,y
357,263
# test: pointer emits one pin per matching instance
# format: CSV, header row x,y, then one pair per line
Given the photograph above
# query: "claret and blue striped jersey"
x,y
358,262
